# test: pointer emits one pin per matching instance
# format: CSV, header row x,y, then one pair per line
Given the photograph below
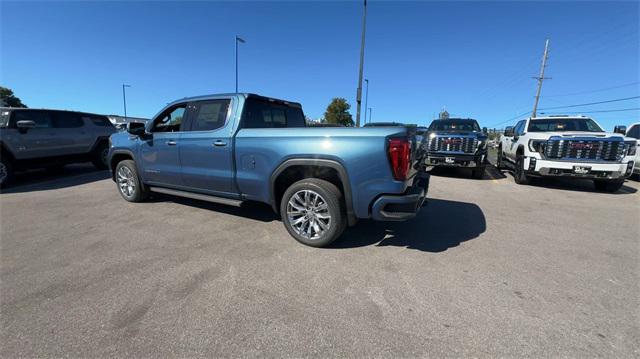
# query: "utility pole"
x,y
541,77
370,109
359,92
124,100
366,100
238,39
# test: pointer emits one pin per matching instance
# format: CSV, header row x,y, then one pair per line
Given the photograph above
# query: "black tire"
x,y
6,171
99,156
477,173
500,159
608,186
519,174
335,209
135,190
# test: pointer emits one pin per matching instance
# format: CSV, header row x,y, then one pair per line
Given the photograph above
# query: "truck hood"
x,y
568,135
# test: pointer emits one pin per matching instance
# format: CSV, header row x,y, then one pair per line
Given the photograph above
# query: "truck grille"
x,y
596,150
453,144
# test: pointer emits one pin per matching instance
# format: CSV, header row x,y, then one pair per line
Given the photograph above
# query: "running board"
x,y
198,196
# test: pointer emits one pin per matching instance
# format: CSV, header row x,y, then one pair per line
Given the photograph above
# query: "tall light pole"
x,y
359,91
238,39
124,101
366,100
370,109
541,77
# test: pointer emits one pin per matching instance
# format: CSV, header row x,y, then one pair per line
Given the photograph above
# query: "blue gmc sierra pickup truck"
x,y
232,148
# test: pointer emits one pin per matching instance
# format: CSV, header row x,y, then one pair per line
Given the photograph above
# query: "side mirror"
x,y
508,131
136,128
25,125
620,129
484,130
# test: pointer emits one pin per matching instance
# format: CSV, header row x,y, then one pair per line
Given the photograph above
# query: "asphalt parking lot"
x,y
489,268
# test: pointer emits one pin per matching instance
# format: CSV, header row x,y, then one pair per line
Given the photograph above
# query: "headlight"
x,y
536,145
631,149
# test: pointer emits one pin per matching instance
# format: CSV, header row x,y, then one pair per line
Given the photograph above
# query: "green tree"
x,y
338,112
8,99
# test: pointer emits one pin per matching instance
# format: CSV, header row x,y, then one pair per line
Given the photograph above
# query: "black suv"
x,y
457,142
35,138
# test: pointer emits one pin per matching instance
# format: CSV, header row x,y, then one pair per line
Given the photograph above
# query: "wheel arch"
x,y
118,156
295,169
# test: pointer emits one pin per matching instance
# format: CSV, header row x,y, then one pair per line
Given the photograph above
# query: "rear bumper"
x,y
394,207
546,168
456,160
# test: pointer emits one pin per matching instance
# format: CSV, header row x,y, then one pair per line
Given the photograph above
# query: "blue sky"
x,y
475,58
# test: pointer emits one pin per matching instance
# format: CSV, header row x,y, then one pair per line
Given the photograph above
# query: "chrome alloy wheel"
x,y
3,172
126,181
308,214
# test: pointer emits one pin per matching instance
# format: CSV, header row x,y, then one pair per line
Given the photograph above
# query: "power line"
x,y
591,103
511,119
602,111
592,91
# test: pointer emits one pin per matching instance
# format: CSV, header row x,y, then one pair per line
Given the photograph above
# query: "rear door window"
x,y
42,119
208,115
262,113
4,118
67,120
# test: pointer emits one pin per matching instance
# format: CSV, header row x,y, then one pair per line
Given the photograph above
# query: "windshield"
x,y
564,124
455,125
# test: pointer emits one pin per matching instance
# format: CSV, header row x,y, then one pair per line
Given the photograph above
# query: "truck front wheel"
x,y
608,186
519,174
312,212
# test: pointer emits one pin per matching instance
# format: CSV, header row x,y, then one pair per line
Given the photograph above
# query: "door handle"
x,y
219,143
171,143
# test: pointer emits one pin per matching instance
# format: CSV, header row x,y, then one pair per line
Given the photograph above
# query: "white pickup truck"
x,y
634,132
567,146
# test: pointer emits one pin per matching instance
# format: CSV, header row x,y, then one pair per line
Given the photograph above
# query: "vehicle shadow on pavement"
x,y
440,225
490,173
252,210
573,184
41,180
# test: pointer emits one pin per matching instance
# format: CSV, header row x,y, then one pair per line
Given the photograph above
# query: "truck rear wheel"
x,y
312,212
99,156
608,186
6,171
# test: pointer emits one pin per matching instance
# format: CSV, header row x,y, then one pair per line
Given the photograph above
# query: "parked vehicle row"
x,y
567,146
233,148
31,138
244,147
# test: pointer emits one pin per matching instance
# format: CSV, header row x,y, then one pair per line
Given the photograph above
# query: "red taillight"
x,y
399,157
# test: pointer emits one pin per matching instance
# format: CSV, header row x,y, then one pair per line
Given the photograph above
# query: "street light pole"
x,y
370,109
359,92
238,39
366,100
124,101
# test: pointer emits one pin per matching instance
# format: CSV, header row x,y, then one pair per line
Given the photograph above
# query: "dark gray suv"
x,y
37,138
